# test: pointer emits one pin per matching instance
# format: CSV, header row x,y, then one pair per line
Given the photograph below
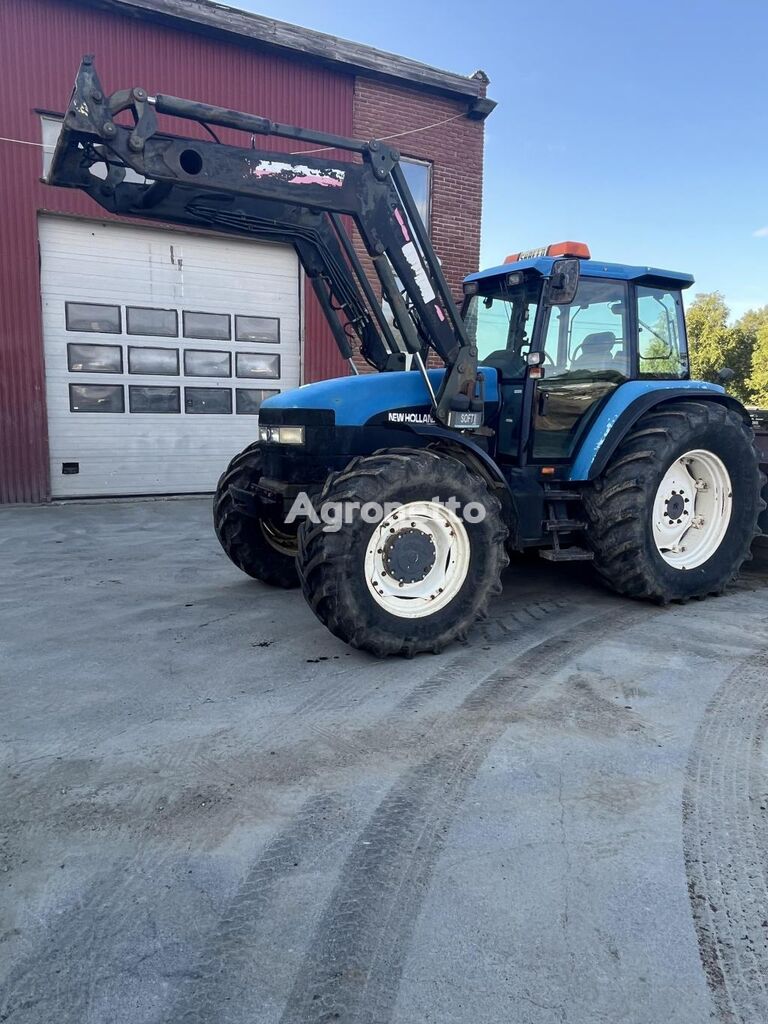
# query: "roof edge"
x,y
319,46
590,268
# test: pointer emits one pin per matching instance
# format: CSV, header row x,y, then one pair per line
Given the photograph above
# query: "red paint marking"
x,y
440,313
401,221
305,179
327,182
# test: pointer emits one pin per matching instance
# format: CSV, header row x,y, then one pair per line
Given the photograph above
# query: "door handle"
x,y
543,403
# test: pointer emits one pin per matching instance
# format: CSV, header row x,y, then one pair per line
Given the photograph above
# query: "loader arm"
x,y
305,199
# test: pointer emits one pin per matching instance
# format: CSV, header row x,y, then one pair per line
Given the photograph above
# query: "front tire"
x,y
254,544
675,513
418,578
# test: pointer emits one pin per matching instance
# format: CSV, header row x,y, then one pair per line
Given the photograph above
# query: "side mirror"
x,y
726,374
562,285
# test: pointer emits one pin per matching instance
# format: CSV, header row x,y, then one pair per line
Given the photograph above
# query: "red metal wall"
x,y
41,43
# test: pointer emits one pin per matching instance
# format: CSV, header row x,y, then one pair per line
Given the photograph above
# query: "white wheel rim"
x,y
445,570
692,509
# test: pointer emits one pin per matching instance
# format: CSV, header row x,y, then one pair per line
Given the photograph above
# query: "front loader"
x,y
560,415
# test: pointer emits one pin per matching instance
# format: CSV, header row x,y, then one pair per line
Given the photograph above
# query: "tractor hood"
x,y
357,400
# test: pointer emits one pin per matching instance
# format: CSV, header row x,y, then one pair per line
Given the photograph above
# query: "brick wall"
x,y
455,151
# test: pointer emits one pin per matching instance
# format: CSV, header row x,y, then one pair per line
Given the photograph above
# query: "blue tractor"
x,y
553,410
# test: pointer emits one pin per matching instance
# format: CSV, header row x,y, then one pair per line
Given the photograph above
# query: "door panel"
x,y
586,345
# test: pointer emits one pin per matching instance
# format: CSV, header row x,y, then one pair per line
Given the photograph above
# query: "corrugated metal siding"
x,y
41,44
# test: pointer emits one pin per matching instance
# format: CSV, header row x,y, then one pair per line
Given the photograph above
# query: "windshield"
x,y
500,321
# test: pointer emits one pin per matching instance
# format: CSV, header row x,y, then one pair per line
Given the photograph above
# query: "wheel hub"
x,y
409,555
675,506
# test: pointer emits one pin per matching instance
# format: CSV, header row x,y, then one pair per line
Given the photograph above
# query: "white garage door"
x,y
159,348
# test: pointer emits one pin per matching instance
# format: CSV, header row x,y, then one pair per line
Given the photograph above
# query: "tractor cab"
x,y
563,332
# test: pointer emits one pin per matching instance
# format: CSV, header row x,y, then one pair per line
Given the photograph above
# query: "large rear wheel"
x,y
259,545
675,513
416,577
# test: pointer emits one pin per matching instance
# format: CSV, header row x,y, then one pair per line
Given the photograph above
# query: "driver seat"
x,y
596,352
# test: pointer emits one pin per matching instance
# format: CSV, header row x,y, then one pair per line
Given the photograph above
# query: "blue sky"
x,y
640,128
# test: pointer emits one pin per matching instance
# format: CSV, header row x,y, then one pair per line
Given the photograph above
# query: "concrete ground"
x,y
212,811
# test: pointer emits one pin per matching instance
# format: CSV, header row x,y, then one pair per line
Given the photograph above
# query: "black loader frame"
x,y
301,198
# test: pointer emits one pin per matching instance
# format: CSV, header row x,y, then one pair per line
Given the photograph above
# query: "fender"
x,y
625,407
522,502
469,449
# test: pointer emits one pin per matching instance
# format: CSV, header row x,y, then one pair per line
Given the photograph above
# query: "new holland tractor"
x,y
552,410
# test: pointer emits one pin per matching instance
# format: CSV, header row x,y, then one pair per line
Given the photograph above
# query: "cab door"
x,y
586,357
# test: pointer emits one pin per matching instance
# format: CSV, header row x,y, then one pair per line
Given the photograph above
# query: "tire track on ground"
x,y
725,831
84,942
59,978
425,741
85,946
219,761
352,971
228,981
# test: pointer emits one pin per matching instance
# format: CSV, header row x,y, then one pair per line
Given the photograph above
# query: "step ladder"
x,y
562,526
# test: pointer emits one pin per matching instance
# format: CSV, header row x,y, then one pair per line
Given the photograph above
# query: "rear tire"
x,y
252,544
419,578
692,460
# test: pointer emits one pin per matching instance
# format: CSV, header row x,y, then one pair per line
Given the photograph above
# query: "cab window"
x,y
661,346
500,321
590,335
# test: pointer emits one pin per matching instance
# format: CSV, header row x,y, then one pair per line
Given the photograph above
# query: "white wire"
x,y
386,138
299,152
23,142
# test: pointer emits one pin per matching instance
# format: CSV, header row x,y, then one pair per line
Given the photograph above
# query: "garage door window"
x,y
94,358
260,329
89,317
96,398
154,399
251,364
156,323
153,361
207,364
207,326
248,400
207,401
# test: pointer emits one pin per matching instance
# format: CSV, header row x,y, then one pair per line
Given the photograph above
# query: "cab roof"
x,y
591,268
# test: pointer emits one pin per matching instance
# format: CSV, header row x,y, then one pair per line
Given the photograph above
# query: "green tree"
x,y
755,324
753,320
758,380
714,344
658,354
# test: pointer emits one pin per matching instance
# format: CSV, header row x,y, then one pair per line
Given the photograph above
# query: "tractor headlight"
x,y
281,435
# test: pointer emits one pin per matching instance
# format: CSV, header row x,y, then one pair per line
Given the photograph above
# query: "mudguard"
x,y
625,407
